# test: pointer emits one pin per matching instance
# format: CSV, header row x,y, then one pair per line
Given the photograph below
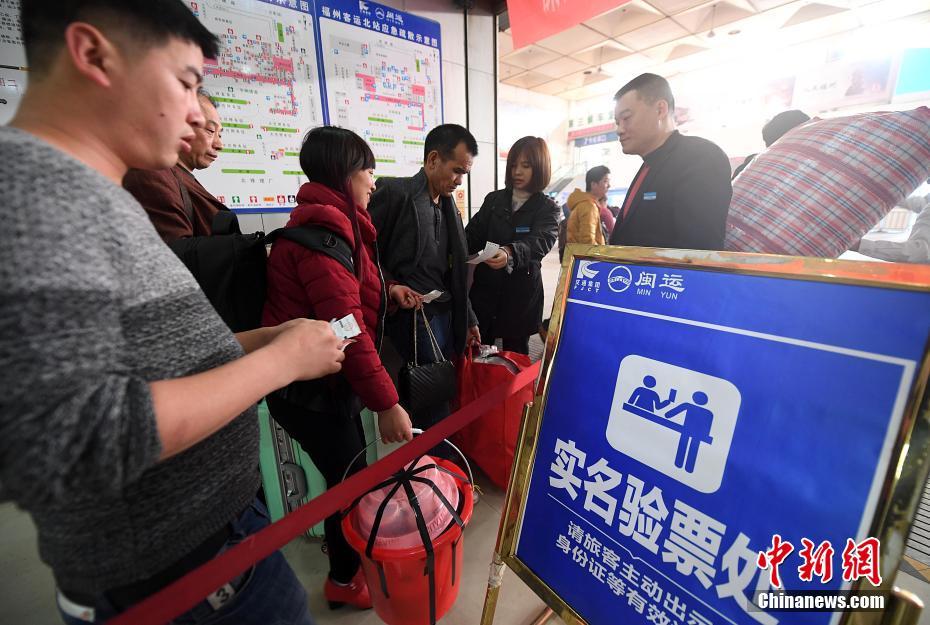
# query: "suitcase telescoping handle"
x,y
471,477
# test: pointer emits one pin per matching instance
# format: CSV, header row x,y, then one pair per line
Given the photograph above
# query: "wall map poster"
x,y
266,86
383,78
12,60
286,66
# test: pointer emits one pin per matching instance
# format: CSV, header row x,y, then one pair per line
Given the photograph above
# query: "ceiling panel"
x,y
812,11
679,48
504,43
682,50
527,80
713,17
587,77
561,67
572,40
624,19
621,44
506,71
603,53
529,57
671,7
653,35
765,5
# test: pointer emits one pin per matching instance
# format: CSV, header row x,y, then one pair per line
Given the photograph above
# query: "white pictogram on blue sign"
x,y
675,420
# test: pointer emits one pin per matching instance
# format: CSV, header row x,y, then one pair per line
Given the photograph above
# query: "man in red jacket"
x,y
176,203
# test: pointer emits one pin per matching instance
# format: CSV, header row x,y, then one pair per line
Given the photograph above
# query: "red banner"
x,y
532,20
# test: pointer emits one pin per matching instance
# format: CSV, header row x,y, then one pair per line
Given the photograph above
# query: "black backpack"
x,y
230,266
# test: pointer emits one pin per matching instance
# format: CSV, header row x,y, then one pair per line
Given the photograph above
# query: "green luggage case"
x,y
289,477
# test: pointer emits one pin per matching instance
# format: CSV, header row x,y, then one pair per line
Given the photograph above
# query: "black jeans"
x,y
331,441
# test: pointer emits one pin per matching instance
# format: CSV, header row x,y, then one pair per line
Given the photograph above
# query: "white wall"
x,y
522,113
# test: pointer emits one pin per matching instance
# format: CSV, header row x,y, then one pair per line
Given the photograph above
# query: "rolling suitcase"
x,y
289,477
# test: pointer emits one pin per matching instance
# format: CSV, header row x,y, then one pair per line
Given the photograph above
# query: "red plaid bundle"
x,y
823,185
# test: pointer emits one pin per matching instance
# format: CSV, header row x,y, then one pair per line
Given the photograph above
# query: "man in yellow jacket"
x,y
584,218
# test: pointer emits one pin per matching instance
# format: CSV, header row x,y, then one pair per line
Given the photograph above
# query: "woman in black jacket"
x,y
507,293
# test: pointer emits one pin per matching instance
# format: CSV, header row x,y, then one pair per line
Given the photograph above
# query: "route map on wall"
x,y
383,79
12,60
266,86
381,76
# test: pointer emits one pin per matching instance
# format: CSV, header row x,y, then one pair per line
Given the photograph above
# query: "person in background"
x,y
584,219
680,196
324,416
175,201
773,131
917,247
607,217
421,239
128,415
507,292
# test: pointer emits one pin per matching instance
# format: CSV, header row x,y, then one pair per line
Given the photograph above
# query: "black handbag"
x,y
430,384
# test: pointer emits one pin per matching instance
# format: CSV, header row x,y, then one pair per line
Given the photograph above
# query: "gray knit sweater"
x,y
93,307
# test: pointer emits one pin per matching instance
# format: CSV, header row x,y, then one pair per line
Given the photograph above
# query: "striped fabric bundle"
x,y
823,185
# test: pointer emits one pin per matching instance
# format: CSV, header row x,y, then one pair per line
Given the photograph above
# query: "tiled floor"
x,y
26,586
916,568
26,591
516,605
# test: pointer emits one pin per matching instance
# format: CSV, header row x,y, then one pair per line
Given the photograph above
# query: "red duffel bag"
x,y
491,440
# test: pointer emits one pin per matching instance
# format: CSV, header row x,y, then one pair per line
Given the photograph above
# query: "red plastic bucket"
x,y
398,578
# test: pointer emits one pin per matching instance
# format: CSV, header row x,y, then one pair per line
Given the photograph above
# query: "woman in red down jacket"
x,y
323,416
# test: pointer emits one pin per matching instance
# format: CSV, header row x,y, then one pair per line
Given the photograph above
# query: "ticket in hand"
x,y
346,328
432,295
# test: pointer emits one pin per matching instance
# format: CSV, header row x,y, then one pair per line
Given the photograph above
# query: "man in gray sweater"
x,y
127,419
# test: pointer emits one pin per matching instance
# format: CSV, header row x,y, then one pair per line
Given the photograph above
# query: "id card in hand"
x,y
346,328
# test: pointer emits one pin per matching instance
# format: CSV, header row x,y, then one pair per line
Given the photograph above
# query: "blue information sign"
x,y
382,19
693,414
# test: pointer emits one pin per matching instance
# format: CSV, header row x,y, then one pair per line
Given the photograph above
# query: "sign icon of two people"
x,y
694,429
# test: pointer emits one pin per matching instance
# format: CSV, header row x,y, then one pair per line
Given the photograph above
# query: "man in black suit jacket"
x,y
681,195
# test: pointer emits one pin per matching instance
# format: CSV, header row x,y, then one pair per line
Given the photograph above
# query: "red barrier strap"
x,y
185,593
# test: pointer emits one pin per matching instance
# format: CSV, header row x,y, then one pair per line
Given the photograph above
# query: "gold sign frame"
x,y
907,469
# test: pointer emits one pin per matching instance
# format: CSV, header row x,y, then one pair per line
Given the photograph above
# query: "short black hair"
x,y
445,138
147,23
595,174
330,155
651,88
782,123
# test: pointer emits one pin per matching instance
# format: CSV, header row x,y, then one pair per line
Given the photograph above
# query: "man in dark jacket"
x,y
422,246
176,203
681,195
